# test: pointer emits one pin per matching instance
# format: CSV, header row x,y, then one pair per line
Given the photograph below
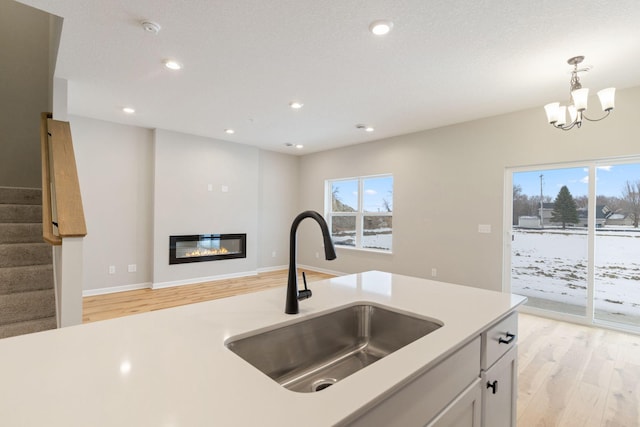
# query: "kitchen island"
x,y
171,368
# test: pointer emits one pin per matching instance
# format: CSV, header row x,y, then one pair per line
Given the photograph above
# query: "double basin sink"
x,y
315,353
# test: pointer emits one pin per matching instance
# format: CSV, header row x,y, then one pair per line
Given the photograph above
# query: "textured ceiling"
x,y
444,62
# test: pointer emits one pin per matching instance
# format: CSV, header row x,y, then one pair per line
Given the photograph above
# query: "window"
x,y
360,212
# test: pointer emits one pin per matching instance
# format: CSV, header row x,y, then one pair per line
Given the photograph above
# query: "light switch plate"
x,y
484,228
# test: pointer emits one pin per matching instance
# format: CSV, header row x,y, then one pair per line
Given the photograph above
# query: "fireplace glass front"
x,y
206,247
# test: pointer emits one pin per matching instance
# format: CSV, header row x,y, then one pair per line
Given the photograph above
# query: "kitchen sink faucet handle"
x,y
306,293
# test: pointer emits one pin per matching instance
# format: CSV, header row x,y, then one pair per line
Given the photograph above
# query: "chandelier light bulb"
x,y
580,97
607,98
573,113
553,111
562,116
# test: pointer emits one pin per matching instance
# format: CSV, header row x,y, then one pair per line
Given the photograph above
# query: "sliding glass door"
x,y
574,244
617,244
549,250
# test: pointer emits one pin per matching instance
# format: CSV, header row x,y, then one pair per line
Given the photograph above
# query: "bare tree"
x,y
521,204
631,200
387,205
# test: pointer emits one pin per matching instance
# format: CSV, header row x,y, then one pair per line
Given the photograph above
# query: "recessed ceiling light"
x,y
128,110
229,131
172,65
381,27
299,146
365,128
296,105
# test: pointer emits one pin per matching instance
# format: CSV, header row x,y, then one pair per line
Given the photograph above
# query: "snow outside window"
x,y
360,212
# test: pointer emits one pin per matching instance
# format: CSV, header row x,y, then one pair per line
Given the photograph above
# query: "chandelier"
x,y
577,106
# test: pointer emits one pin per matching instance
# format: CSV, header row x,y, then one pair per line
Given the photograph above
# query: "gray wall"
x,y
278,205
115,169
139,186
24,91
449,180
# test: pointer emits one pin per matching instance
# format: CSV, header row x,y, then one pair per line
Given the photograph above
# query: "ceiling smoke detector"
x,y
365,128
151,27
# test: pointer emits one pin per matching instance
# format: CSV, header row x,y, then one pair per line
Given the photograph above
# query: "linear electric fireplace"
x,y
206,247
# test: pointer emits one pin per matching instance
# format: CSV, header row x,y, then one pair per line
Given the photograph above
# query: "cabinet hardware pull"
x,y
509,340
493,385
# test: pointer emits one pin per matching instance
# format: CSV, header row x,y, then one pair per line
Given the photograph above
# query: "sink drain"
x,y
322,384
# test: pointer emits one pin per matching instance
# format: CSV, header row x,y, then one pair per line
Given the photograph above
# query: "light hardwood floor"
x,y
120,304
573,375
569,375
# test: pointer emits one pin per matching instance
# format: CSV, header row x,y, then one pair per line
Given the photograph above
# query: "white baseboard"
x,y
114,289
160,285
321,270
195,280
270,269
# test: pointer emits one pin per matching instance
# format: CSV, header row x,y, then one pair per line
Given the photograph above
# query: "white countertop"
x,y
170,368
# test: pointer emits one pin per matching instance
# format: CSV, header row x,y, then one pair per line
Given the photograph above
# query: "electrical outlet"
x,y
132,268
273,254
112,269
317,254
434,272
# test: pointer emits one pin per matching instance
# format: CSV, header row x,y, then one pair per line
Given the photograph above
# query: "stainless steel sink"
x,y
315,353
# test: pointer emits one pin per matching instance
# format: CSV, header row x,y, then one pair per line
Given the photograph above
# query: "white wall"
x,y
139,186
449,180
115,169
278,206
185,165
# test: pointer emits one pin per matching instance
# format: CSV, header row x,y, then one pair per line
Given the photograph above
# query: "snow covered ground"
x,y
550,267
375,239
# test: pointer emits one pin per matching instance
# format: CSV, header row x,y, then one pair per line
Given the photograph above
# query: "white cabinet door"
x,y
464,411
499,392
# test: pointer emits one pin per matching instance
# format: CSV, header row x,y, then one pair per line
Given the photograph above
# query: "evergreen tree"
x,y
564,208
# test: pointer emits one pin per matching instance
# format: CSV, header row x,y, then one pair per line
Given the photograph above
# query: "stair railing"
x,y
63,222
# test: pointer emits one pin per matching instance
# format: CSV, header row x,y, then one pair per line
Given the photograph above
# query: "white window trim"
x,y
359,215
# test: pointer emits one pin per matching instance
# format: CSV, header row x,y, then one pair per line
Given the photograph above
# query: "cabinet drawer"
x,y
499,339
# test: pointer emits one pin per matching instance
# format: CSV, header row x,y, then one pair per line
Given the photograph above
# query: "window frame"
x,y
359,214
